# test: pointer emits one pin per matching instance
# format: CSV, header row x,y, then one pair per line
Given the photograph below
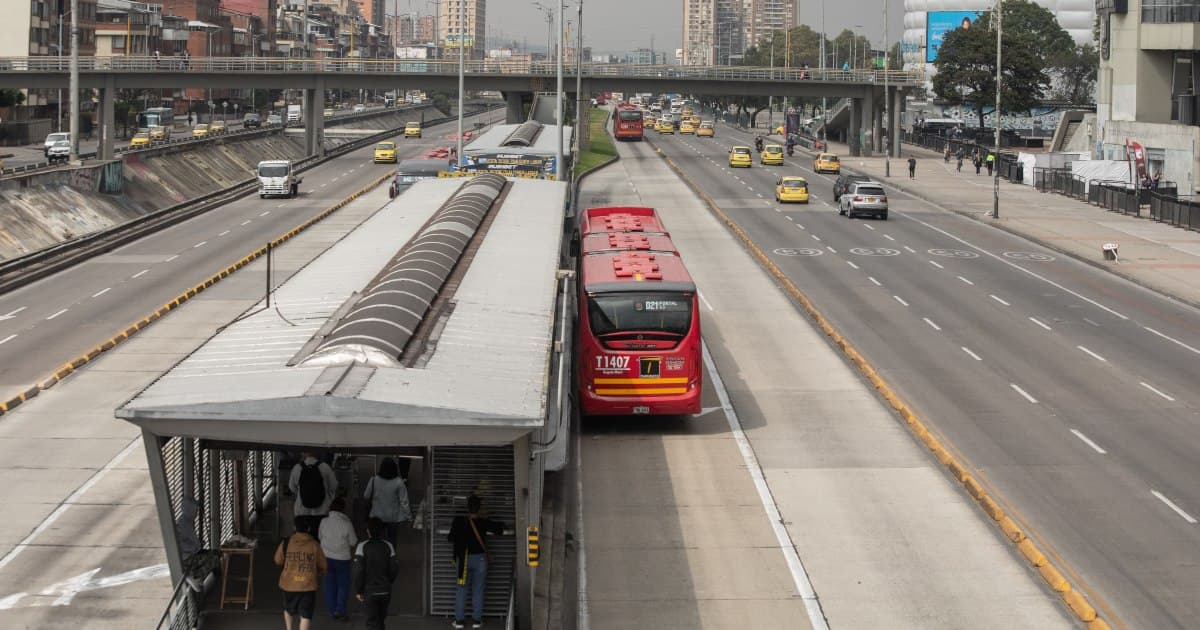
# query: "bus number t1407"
x,y
608,362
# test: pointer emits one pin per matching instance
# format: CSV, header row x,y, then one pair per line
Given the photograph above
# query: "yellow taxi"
x,y
649,122
687,127
790,188
200,131
740,156
216,127
385,152
328,113
706,130
664,126
140,140
695,120
771,154
412,130
827,163
159,133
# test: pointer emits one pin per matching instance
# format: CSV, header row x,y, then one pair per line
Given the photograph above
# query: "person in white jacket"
x,y
389,498
337,541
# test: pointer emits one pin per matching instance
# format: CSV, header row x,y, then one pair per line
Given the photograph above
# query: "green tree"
x,y
11,97
1075,80
1032,44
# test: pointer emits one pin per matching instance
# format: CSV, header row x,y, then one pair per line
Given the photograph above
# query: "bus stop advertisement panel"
x,y
512,164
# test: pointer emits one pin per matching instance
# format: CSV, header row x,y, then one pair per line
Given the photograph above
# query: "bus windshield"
x,y
628,115
669,313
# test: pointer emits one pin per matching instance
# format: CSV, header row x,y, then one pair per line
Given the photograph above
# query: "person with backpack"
x,y
375,569
389,498
313,484
467,534
303,565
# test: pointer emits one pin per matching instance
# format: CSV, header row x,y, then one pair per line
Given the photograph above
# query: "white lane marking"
x,y
279,206
812,605
967,281
999,300
265,213
801,226
851,263
1156,391
875,281
223,233
1023,393
200,244
101,292
13,313
936,264
58,313
890,238
1035,320
172,258
324,185
911,250
1178,510
973,355
1172,339
831,250
702,299
1089,442
1091,322
930,322
70,500
900,300
246,222
868,226
1093,354
1015,266
778,210
816,237
759,194
8,339
788,218
141,273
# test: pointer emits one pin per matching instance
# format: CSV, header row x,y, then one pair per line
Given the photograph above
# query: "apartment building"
x,y
44,29
1148,88
763,17
126,28
462,16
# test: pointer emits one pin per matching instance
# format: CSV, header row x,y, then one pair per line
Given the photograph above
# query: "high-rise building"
x,y
763,17
426,30
729,38
465,19
699,30
45,30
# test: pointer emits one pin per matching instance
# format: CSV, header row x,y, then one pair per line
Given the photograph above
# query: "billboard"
x,y
530,165
938,23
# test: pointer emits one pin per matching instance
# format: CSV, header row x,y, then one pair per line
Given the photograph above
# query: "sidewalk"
x,y
1154,255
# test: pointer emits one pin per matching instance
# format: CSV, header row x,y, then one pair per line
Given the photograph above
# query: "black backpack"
x,y
312,486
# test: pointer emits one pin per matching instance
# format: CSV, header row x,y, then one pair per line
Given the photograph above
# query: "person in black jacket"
x,y
468,535
374,571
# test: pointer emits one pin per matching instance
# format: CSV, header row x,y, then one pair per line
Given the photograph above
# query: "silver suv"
x,y
864,198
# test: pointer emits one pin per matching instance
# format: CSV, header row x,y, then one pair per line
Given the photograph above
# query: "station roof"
x,y
491,141
485,381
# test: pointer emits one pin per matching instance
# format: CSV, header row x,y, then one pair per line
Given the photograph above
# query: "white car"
x,y
360,108
59,151
52,139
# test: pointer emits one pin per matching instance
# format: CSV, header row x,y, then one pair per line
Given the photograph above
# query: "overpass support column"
x,y
515,113
894,122
867,118
854,128
314,119
107,118
877,114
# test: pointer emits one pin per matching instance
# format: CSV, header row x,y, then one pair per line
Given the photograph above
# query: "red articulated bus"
x,y
639,322
628,125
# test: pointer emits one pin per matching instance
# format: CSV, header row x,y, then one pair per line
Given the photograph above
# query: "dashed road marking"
x,y
265,213
246,222
911,250
964,279
1156,391
851,263
1092,354
200,244
998,299
815,236
8,339
891,239
101,292
1171,504
931,324
877,283
934,262
1039,323
1023,393
831,250
141,273
972,354
223,233
900,300
172,258
1172,340
58,313
1089,442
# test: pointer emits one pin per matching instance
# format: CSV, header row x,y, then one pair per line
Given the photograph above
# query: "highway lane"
x,y
45,324
1066,386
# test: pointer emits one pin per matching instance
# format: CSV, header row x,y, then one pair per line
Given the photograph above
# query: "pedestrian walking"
x,y
946,154
303,565
959,155
467,534
912,167
389,498
375,569
978,164
991,163
338,539
314,486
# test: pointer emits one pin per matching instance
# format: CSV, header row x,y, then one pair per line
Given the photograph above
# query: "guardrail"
x,y
22,270
277,65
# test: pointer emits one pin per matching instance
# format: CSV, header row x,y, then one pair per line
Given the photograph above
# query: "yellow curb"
x,y
1012,531
1080,606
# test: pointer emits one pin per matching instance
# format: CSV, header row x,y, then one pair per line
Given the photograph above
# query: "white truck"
x,y
277,178
293,115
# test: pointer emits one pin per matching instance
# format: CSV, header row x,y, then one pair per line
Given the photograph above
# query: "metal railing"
x,y
1184,213
183,611
284,65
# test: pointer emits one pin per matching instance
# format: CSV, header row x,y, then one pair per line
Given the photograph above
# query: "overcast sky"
x,y
616,26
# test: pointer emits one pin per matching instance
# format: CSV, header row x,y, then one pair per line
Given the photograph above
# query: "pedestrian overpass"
x,y
867,89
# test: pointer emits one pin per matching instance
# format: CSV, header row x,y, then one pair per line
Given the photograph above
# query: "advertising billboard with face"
x,y
938,23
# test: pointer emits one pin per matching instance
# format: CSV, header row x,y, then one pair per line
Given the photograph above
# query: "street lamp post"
x,y
558,115
887,98
462,36
73,84
824,112
578,78
996,159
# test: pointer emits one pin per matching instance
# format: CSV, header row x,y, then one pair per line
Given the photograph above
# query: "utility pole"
x,y
889,115
579,117
996,159
558,115
462,40
824,111
73,84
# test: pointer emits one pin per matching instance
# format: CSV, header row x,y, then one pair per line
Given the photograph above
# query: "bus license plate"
x,y
641,410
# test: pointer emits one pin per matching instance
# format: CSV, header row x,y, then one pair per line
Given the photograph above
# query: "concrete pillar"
x,y
516,107
314,119
877,114
523,519
867,118
854,127
162,503
108,128
894,123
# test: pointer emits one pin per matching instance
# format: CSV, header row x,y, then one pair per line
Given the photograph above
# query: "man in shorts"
x,y
303,565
